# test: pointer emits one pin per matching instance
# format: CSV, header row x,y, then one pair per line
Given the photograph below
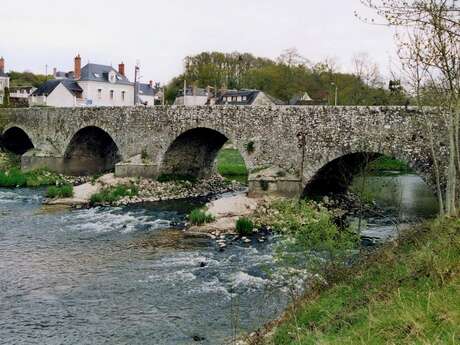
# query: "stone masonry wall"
x,y
276,131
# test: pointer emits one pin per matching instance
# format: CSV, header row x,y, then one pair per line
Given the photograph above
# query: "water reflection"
x,y
402,198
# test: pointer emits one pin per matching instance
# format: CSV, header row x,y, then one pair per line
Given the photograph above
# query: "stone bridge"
x,y
288,150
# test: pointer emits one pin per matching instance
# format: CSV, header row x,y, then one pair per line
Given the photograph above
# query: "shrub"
x,y
200,217
244,226
64,191
113,194
13,178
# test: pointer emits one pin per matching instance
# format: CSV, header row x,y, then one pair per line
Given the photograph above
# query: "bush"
x,y
64,191
244,226
309,230
200,217
13,178
113,194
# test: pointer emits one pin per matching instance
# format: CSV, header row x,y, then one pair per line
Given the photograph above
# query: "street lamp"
x,y
336,93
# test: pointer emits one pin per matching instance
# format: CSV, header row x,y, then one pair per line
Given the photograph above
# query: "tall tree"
x,y
428,39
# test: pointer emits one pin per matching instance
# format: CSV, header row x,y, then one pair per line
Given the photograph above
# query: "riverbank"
x,y
405,292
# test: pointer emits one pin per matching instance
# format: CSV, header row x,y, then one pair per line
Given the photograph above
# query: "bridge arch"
x,y
335,175
90,150
194,152
15,139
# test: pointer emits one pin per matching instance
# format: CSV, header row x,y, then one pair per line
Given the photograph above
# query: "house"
x,y
21,92
193,97
150,94
304,99
19,96
4,80
91,85
57,93
247,97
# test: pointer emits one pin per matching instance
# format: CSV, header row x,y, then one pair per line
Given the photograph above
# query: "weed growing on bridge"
x,y
64,191
200,217
113,194
250,147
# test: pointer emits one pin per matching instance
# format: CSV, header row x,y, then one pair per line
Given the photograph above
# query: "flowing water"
x,y
122,276
129,276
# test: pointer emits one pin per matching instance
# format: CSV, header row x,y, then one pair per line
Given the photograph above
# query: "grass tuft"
x,y
113,194
200,217
244,226
64,191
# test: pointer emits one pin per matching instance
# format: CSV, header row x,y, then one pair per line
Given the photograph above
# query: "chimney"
x,y
151,84
121,69
54,72
77,67
2,65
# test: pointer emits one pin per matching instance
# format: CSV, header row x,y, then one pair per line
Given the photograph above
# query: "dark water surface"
x,y
122,276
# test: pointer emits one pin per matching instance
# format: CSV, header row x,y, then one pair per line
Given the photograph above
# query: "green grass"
x,y
14,177
200,217
406,292
113,194
230,164
386,163
64,191
244,226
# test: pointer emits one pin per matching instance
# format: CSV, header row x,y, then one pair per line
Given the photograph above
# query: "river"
x,y
128,275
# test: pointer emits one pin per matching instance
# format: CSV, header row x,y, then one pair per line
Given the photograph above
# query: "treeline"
x,y
288,76
23,79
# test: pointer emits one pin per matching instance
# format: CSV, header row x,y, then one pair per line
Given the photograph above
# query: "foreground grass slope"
x,y
407,292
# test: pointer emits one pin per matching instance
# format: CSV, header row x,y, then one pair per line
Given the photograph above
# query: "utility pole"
x,y
336,93
185,91
136,89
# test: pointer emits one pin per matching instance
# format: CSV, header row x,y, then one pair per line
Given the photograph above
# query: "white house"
x,y
4,79
193,96
92,85
57,93
150,94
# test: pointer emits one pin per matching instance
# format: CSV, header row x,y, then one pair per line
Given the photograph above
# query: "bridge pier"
x,y
274,181
34,159
136,167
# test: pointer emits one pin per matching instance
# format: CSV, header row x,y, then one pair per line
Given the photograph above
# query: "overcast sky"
x,y
159,34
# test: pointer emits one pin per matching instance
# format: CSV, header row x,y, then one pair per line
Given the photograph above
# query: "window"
x,y
123,96
97,75
99,93
111,94
244,98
